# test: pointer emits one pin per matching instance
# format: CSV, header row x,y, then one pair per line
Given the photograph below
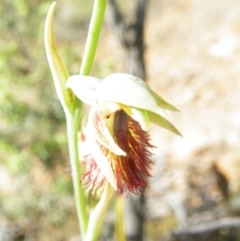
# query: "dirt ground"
x,y
192,54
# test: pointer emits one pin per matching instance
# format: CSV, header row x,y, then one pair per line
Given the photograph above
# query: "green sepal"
x,y
164,123
164,103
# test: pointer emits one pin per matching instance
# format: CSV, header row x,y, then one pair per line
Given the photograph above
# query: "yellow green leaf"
x,y
57,67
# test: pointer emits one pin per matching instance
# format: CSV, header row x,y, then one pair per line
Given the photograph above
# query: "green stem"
x,y
73,119
73,122
93,36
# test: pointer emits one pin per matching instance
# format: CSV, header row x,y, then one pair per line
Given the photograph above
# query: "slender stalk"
x,y
93,36
73,122
98,214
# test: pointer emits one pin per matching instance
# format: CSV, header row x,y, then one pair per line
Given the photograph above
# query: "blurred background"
x,y
192,60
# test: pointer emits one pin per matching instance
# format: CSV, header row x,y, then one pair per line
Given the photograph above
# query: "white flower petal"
x,y
84,87
97,153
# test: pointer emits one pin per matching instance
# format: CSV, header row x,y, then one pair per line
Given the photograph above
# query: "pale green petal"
x,y
129,90
139,115
84,87
103,164
99,130
164,123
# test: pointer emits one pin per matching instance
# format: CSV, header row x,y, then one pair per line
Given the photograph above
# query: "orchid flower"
x,y
123,106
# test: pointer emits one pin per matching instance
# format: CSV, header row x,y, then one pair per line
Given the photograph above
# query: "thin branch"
x,y
208,227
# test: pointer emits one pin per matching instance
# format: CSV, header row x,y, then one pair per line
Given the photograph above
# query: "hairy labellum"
x,y
130,170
